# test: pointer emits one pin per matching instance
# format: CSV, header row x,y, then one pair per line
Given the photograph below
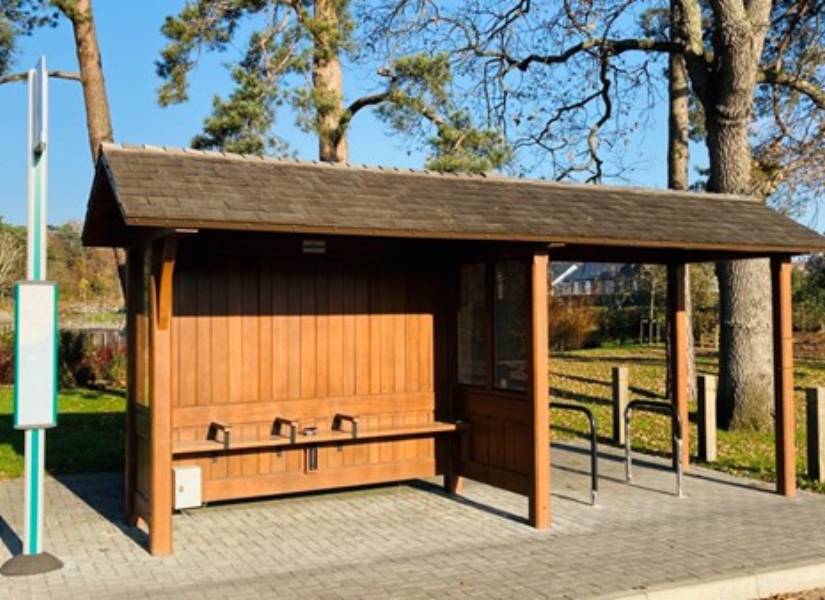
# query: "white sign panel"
x,y
35,338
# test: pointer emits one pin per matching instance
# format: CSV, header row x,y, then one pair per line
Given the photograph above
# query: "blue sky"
x,y
130,42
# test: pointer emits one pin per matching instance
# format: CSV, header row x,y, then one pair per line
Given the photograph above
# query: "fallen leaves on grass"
x,y
584,376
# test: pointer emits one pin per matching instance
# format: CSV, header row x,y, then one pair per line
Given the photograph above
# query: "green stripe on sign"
x,y
16,354
34,493
56,354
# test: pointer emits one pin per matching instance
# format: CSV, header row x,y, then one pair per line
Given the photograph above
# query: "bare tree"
x,y
574,80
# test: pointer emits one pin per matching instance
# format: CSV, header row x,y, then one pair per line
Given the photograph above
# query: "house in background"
x,y
592,279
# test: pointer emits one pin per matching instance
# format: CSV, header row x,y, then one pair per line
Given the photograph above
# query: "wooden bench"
x,y
286,433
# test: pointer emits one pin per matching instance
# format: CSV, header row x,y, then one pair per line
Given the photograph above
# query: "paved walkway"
x,y
411,541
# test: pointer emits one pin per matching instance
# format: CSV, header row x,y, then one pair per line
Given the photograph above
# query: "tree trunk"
x,y
678,168
745,345
329,86
98,120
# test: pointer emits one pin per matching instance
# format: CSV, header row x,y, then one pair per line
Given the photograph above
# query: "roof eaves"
x,y
110,178
755,249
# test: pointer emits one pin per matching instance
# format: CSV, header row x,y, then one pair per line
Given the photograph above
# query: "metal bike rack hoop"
x,y
594,444
676,426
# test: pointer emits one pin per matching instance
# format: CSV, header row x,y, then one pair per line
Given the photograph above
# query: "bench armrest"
x,y
280,422
340,418
224,428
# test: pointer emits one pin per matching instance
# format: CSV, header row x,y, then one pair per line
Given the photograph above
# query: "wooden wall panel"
x,y
303,339
248,334
497,447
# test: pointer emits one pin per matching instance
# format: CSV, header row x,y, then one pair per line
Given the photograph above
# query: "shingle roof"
x,y
138,186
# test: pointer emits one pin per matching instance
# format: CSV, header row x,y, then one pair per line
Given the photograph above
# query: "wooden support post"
x,y
621,397
706,413
539,394
134,284
453,481
160,519
678,352
815,411
783,376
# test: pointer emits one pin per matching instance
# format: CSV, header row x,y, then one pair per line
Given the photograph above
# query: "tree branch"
x,y
779,78
365,101
68,75
607,46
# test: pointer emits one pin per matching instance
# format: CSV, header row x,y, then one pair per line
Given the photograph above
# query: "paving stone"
x,y
412,541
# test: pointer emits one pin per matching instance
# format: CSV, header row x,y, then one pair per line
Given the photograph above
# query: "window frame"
x,y
489,323
528,326
486,324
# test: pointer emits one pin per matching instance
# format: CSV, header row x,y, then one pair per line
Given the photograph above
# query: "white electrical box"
x,y
187,487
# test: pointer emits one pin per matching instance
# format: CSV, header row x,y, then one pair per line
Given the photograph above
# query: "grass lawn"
x,y
584,376
88,438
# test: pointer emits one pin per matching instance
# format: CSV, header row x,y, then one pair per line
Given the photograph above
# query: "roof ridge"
x,y
491,177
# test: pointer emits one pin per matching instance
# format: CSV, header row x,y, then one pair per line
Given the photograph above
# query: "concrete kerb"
x,y
754,585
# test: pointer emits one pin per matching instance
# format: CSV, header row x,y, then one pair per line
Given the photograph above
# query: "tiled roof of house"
x,y
147,187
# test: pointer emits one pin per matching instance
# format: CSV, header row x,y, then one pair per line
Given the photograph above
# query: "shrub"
x,y
73,353
573,323
621,325
83,364
6,357
79,362
108,364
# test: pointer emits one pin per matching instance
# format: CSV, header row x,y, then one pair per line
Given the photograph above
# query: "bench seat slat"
x,y
200,446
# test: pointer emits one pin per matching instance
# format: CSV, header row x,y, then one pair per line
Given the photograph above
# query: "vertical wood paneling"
x,y
247,334
186,332
294,333
220,336
265,318
387,335
374,312
348,335
308,357
411,355
280,335
292,330
426,351
264,456
397,309
363,335
235,357
250,343
322,340
203,326
335,345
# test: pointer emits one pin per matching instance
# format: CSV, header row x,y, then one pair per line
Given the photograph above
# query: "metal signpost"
x,y
35,340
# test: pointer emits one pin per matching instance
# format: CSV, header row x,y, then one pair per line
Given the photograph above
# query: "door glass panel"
x,y
511,325
472,308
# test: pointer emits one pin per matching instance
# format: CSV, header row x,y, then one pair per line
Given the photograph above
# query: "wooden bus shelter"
x,y
299,326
